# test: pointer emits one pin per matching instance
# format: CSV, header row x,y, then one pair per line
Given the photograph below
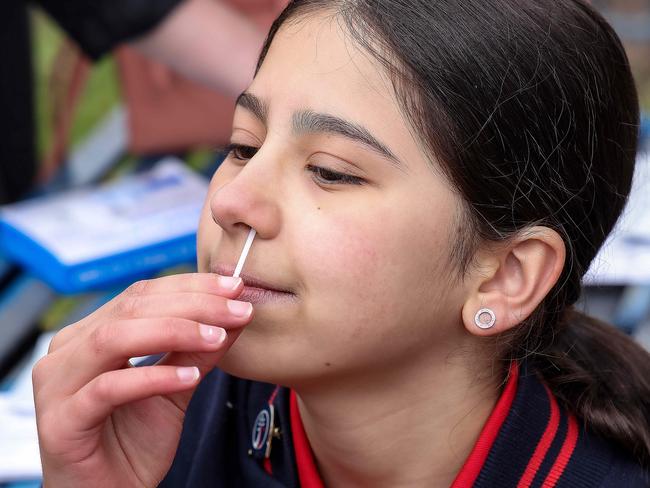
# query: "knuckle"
x,y
149,375
54,343
103,389
39,371
207,302
172,329
138,288
126,306
64,335
102,338
59,339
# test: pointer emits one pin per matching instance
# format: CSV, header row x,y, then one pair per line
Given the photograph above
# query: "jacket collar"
x,y
528,440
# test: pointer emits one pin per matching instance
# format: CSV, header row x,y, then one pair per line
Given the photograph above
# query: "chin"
x,y
252,358
255,356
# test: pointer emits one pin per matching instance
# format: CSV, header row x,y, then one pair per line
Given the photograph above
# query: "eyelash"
x,y
236,151
324,176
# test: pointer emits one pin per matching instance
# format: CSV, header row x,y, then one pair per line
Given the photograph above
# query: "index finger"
x,y
225,286
212,283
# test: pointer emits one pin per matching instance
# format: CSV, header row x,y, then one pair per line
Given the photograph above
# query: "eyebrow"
x,y
253,104
308,121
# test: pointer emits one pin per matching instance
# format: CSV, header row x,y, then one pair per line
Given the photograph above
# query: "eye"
x,y
328,177
241,152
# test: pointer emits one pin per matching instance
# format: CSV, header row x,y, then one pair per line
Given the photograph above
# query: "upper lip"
x,y
249,279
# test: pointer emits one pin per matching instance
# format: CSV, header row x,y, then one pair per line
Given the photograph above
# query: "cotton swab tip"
x,y
244,253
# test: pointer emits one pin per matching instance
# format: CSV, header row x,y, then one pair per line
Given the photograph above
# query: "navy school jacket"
x,y
528,441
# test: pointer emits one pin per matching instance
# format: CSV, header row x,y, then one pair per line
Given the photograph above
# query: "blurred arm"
x,y
206,41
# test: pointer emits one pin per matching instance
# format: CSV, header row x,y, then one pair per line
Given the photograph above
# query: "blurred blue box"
x,y
99,236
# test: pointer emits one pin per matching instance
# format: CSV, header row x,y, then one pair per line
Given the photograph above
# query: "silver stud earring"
x,y
485,318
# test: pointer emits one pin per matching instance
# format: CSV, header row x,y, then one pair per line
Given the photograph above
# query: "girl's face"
x,y
351,218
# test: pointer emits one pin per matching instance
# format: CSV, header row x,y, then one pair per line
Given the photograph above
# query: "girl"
x,y
428,182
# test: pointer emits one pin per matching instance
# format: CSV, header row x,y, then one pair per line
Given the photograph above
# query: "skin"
x,y
377,336
378,312
217,35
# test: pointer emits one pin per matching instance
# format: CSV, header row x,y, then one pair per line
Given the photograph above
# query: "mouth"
x,y
256,290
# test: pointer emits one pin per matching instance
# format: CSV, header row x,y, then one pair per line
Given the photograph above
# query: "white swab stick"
x,y
244,253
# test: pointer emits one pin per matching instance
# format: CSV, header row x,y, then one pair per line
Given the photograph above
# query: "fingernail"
x,y
188,375
240,309
213,335
229,282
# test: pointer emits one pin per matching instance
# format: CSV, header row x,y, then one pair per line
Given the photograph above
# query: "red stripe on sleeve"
x,y
472,467
544,443
564,456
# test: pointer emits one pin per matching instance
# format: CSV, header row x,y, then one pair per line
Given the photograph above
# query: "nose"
x,y
250,198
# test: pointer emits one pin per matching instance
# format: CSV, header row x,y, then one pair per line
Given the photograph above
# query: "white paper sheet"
x,y
19,454
138,210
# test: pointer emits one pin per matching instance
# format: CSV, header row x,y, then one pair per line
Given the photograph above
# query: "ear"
x,y
513,279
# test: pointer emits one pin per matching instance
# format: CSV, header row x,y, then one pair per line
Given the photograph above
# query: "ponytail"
x,y
603,377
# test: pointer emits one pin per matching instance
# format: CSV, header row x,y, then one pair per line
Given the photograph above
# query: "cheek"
x,y
343,250
208,233
367,279
348,252
360,269
345,286
382,264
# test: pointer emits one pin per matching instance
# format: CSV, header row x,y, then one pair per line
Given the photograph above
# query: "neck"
x,y
412,426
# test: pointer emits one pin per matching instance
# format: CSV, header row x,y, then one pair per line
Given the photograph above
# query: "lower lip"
x,y
258,296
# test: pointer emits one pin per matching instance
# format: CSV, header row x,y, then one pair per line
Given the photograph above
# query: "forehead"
x,y
314,63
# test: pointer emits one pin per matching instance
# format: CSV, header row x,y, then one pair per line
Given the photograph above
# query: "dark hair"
x,y
530,110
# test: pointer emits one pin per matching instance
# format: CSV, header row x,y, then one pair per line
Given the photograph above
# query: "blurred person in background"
x,y
206,40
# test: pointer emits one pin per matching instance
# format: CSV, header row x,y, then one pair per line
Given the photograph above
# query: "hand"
x,y
262,12
102,422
